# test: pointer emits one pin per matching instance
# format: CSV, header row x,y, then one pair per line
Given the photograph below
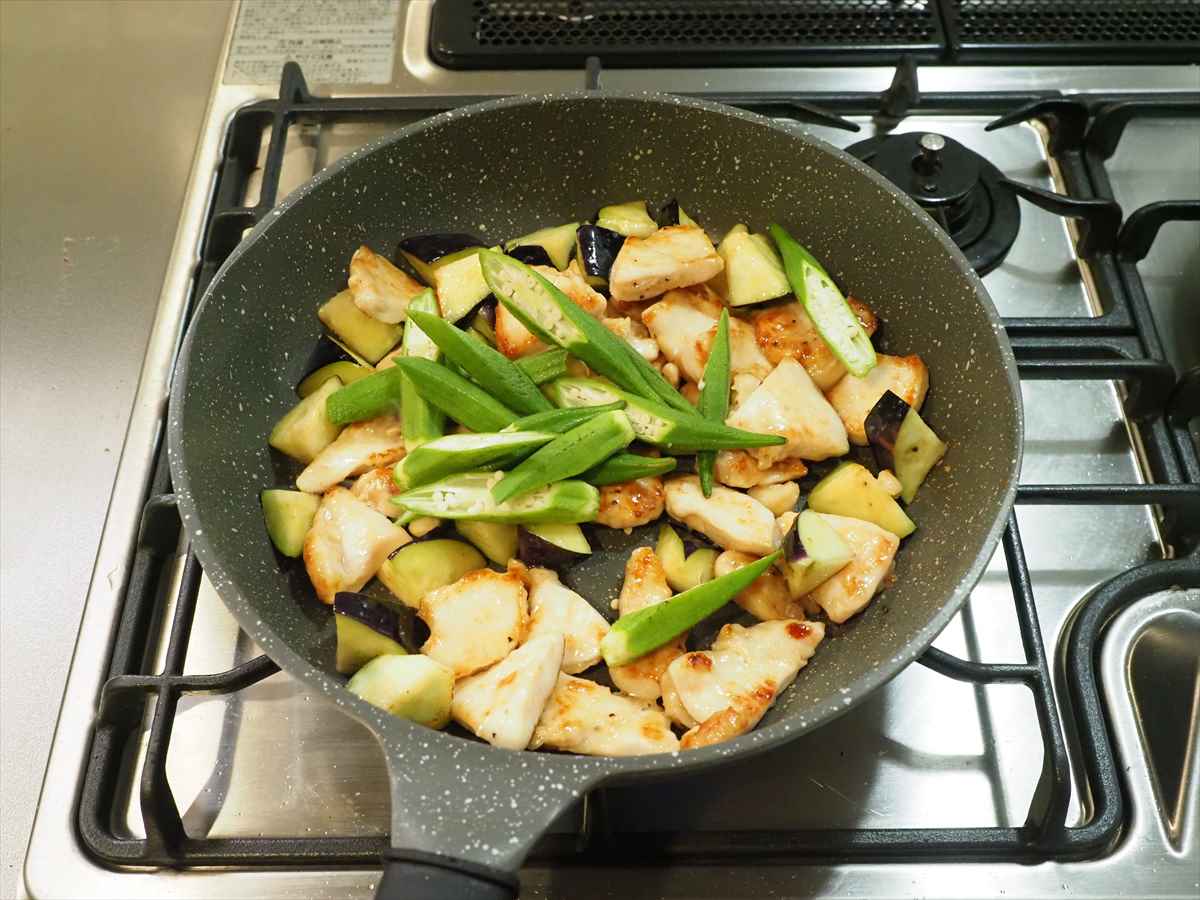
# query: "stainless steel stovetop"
x,y
926,751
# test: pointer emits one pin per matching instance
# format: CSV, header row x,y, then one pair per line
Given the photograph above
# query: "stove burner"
x,y
955,185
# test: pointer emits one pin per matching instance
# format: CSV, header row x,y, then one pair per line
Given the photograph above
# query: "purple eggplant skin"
x,y
534,551
793,548
668,213
390,621
487,308
883,428
431,247
598,249
531,255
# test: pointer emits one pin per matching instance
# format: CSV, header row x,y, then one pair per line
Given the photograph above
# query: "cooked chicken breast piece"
x,y
555,608
347,543
361,446
786,332
850,590
645,584
380,289
684,322
502,705
853,398
584,717
628,504
514,340
728,689
767,598
376,489
476,621
635,334
672,257
778,498
729,518
672,705
787,403
738,469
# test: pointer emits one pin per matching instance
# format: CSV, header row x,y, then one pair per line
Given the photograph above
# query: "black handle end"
x,y
413,875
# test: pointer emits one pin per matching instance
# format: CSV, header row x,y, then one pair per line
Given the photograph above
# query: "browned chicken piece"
x,y
684,323
628,504
635,334
476,621
347,543
730,519
853,398
672,257
727,689
380,289
778,498
738,469
767,597
585,717
786,331
645,584
360,446
633,309
849,591
376,488
515,340
556,609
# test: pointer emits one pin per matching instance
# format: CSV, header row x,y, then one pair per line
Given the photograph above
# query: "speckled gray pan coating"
x,y
505,168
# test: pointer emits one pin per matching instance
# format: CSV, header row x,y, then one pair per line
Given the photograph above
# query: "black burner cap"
x,y
955,185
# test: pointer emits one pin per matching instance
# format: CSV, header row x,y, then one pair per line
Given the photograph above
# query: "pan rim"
x,y
585,771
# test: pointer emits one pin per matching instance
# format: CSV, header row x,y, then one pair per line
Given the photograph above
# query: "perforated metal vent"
x,y
558,33
1067,31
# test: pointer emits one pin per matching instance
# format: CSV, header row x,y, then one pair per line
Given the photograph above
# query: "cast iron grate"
x,y
475,34
1079,30
1126,348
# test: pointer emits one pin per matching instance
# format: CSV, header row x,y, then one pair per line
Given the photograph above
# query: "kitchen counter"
x,y
102,104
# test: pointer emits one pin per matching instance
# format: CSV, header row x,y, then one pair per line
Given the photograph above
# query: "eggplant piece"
x,y
305,430
753,269
423,250
416,569
531,255
670,214
365,338
289,515
813,553
630,219
497,540
902,442
551,545
366,629
558,241
597,249
344,370
684,570
851,491
412,687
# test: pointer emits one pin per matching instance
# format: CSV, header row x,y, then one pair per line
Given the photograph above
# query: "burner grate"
x,y
1125,348
479,34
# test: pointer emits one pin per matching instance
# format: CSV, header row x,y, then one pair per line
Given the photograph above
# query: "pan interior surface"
x,y
505,169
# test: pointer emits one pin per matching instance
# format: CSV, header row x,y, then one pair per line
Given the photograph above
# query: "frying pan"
x,y
465,814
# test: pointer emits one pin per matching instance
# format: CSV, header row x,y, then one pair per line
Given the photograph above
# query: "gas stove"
x,y
1046,745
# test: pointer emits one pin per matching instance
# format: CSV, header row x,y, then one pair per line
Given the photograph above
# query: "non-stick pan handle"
x,y
413,875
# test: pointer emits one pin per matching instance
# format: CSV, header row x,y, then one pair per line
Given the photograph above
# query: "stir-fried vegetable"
x,y
470,497
464,402
421,420
463,452
559,421
627,467
714,396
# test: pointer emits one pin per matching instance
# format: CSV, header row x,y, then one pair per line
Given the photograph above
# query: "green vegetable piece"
x,y
831,314
497,540
850,490
288,515
637,634
683,571
365,630
558,242
714,397
556,319
657,424
413,687
464,402
559,421
421,420
366,337
305,430
378,393
544,366
463,452
418,568
630,219
460,285
479,325
621,467
348,372
490,368
469,496
568,454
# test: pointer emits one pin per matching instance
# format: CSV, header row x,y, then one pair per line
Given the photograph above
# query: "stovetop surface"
x,y
925,751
